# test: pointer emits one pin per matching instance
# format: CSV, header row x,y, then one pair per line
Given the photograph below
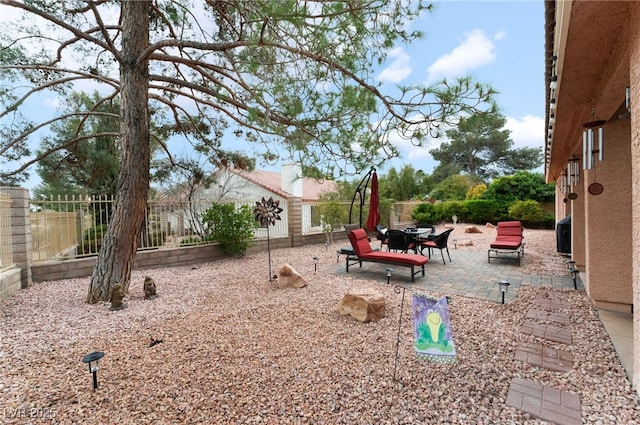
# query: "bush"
x,y
95,233
528,212
231,227
451,208
426,213
481,211
89,246
191,240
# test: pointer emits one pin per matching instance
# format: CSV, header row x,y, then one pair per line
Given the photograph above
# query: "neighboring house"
x,y
248,187
592,73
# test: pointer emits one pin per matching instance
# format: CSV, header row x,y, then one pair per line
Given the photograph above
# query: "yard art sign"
x,y
432,334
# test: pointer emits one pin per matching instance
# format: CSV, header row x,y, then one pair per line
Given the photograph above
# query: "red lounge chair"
x,y
363,252
508,241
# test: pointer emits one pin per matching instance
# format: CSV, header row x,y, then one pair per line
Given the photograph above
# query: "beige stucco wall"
x,y
634,76
608,217
578,226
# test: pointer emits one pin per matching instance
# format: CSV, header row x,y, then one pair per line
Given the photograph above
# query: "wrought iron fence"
x,y
73,226
6,252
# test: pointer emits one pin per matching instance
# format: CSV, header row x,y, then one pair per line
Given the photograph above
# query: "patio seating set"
x,y
507,245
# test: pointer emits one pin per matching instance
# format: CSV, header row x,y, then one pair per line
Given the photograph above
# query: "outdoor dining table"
x,y
418,235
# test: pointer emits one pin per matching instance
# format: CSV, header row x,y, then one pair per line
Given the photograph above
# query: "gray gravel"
x,y
237,350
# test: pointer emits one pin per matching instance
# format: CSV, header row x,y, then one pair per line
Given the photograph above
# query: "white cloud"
x,y
474,51
399,68
527,131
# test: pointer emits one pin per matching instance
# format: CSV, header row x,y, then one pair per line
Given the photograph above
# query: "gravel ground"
x,y
237,350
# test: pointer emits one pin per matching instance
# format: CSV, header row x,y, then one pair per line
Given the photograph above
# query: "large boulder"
x,y
364,305
472,229
288,277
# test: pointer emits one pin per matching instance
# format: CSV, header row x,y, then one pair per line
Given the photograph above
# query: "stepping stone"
x,y
550,332
549,358
544,402
548,316
552,304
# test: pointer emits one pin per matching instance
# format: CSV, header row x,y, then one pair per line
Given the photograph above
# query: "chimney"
x,y
292,179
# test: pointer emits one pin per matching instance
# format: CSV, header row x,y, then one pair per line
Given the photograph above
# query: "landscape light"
x,y
504,286
92,360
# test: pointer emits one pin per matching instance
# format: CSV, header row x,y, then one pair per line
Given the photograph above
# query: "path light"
x,y
574,275
326,245
315,264
455,244
389,272
93,359
504,286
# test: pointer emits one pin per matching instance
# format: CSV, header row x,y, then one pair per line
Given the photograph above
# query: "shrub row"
x,y
481,211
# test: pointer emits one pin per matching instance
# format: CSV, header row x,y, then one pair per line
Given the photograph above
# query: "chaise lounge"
x,y
363,252
508,242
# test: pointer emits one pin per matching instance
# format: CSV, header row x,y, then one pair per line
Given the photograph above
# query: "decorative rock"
x,y
289,278
490,226
472,229
364,305
149,288
117,294
464,242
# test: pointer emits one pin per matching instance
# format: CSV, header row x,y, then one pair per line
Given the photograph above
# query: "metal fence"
x,y
6,252
73,226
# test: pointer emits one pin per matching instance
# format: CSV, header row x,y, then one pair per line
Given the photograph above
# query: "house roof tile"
x,y
272,181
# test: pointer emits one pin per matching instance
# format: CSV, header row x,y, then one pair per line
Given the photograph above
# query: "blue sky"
x,y
496,42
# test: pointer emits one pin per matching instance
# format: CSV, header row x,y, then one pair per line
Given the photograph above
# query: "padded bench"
x,y
364,253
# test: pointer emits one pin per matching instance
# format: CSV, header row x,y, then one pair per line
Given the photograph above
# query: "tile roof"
x,y
272,181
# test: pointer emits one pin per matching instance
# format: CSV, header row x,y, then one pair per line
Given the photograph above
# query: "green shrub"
x,y
231,227
191,240
332,215
89,246
481,211
528,212
451,208
426,213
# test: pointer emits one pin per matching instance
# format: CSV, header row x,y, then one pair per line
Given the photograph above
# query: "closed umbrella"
x,y
374,204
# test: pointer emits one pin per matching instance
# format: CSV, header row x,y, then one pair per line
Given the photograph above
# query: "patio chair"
x,y
400,241
382,235
438,242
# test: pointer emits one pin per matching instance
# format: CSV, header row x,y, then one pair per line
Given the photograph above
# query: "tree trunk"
x,y
118,250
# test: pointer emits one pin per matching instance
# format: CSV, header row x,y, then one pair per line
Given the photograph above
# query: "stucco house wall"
x,y
593,73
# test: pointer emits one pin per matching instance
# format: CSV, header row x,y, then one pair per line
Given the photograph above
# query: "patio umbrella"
x,y
374,204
